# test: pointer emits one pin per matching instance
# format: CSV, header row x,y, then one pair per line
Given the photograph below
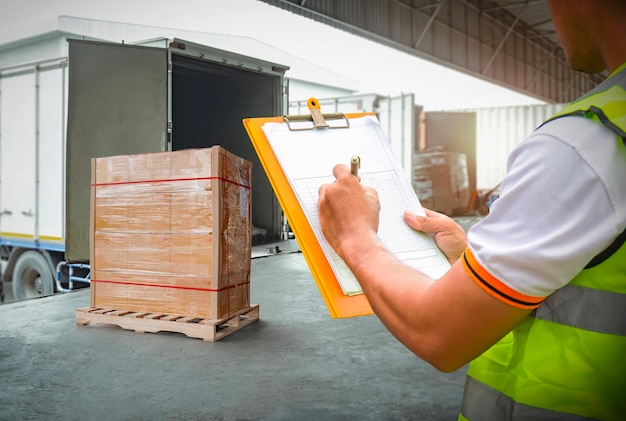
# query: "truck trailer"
x,y
65,99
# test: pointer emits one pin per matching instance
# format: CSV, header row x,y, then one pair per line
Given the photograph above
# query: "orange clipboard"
x,y
339,304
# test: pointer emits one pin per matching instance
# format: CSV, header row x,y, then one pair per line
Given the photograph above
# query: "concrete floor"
x,y
295,363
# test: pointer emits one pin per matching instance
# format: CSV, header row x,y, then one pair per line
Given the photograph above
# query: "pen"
x,y
355,164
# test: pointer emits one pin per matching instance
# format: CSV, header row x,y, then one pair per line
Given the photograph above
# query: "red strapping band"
x,y
170,180
107,281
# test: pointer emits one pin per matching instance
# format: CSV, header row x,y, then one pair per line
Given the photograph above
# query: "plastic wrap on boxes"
x,y
171,232
440,180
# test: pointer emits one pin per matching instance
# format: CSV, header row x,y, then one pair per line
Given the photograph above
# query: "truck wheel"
x,y
32,276
1,286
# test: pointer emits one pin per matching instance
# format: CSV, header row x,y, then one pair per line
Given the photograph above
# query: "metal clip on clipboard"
x,y
319,119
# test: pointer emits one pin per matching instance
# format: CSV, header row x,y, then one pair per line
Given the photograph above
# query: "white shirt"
x,y
561,203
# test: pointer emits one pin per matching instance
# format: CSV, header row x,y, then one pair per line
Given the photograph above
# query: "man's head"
x,y
592,32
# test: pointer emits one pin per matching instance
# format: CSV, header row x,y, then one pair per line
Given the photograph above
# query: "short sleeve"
x,y
557,210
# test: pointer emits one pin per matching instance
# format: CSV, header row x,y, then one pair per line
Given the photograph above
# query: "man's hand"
x,y
449,236
431,318
348,211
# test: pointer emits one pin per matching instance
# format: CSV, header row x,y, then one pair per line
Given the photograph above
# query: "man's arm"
x,y
447,322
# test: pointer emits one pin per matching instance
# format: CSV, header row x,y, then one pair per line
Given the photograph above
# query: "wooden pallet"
x,y
209,330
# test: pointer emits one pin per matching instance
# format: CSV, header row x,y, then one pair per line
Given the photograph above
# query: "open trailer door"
x,y
117,105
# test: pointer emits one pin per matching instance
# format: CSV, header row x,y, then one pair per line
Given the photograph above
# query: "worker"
x,y
535,297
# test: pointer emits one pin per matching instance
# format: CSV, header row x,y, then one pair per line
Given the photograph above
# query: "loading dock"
x,y
294,363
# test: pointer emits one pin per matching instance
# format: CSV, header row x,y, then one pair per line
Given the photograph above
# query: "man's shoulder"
x,y
573,129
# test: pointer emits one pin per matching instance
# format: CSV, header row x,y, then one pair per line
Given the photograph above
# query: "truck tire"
x,y
1,285
32,276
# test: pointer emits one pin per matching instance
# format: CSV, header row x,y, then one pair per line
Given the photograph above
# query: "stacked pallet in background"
x,y
440,180
171,233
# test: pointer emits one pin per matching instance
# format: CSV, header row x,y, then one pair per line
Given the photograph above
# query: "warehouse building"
x,y
99,120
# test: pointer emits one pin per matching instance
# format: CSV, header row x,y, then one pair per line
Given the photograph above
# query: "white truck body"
x,y
64,101
32,128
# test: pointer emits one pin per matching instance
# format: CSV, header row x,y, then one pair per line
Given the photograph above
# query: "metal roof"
x,y
299,68
508,42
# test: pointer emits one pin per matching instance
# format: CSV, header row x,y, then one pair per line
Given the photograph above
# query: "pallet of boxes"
x,y
171,243
440,180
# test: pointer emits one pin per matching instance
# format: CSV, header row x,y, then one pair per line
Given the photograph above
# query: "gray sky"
x,y
377,68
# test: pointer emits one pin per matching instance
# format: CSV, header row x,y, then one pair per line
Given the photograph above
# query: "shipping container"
x,y
498,131
486,135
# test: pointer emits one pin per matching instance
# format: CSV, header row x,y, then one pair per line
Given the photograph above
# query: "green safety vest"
x,y
567,360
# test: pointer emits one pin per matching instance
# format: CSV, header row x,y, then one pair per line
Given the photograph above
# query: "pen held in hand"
x,y
355,164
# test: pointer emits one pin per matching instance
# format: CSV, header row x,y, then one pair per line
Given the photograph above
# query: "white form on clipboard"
x,y
308,157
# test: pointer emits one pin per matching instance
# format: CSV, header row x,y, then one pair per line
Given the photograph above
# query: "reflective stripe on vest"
x,y
586,308
501,407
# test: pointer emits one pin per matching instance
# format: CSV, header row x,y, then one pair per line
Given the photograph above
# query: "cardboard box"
x,y
440,180
171,233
